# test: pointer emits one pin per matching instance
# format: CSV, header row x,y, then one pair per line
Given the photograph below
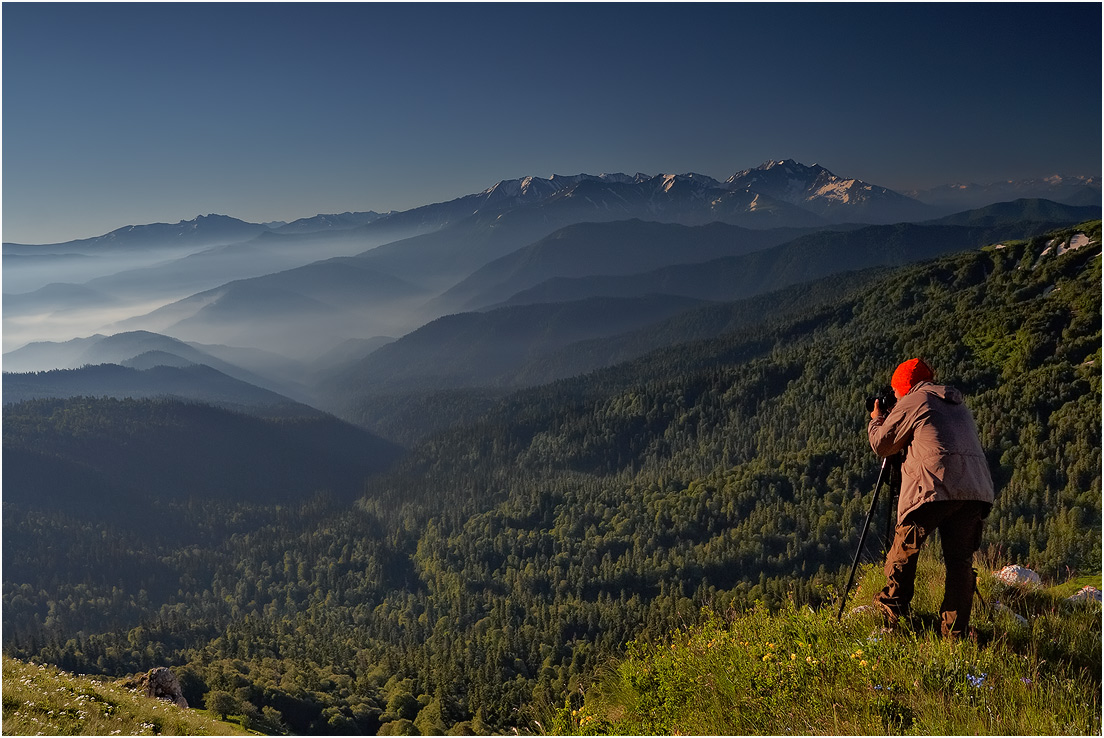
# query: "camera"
x,y
886,400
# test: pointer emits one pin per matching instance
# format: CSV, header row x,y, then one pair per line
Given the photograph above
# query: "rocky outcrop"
x,y
162,684
1087,593
1018,576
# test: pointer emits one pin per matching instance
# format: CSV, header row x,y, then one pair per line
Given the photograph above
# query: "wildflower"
x,y
975,681
862,663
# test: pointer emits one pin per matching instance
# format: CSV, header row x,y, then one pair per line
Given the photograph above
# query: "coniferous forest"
x,y
322,580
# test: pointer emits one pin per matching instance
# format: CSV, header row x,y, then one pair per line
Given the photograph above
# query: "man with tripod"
x,y
945,486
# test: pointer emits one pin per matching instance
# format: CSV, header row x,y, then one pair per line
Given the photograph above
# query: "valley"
x,y
433,470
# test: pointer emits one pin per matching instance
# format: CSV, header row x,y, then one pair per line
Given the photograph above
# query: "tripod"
x,y
891,472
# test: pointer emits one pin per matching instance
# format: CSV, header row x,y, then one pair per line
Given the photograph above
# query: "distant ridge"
x,y
131,347
203,230
621,247
334,222
164,376
814,189
1076,190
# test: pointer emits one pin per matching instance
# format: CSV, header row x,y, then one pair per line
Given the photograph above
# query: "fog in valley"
x,y
200,293
526,282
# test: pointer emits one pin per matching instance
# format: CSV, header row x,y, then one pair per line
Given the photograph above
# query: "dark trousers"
x,y
959,524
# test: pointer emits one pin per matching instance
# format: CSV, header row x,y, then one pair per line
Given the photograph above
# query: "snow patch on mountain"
x,y
528,189
805,186
1062,245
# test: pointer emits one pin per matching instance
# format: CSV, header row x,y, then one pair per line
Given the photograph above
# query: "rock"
x,y
1088,593
1000,607
162,684
1018,576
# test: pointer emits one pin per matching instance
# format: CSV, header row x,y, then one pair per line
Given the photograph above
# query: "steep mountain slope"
x,y
806,258
427,359
377,393
485,349
821,192
621,247
697,324
297,312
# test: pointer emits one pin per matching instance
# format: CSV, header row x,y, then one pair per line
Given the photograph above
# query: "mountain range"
x,y
287,306
776,184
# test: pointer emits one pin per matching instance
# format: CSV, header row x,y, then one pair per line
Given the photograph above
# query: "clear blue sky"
x,y
118,114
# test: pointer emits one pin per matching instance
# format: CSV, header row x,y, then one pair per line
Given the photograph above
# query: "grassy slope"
x,y
43,700
801,672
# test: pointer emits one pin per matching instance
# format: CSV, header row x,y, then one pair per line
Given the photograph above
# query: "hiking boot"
x,y
892,617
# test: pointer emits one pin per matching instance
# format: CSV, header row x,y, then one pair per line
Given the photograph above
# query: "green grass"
x,y
799,671
43,700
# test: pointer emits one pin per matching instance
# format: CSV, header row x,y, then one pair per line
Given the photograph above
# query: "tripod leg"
x,y
862,537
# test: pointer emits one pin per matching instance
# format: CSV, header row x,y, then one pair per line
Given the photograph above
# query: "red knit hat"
x,y
908,374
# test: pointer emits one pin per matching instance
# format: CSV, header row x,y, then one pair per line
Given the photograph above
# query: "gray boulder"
x,y
162,684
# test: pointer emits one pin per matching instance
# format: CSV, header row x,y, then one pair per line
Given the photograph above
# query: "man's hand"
x,y
877,411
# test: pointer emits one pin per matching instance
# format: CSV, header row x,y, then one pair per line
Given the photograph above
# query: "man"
x,y
945,486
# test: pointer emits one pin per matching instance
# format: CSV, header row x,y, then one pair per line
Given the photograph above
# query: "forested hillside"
x,y
500,563
165,376
809,257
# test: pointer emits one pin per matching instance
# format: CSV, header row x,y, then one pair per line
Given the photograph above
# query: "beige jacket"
x,y
944,459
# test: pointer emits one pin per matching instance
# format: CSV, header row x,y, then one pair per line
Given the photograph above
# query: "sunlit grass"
x,y
43,700
801,672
